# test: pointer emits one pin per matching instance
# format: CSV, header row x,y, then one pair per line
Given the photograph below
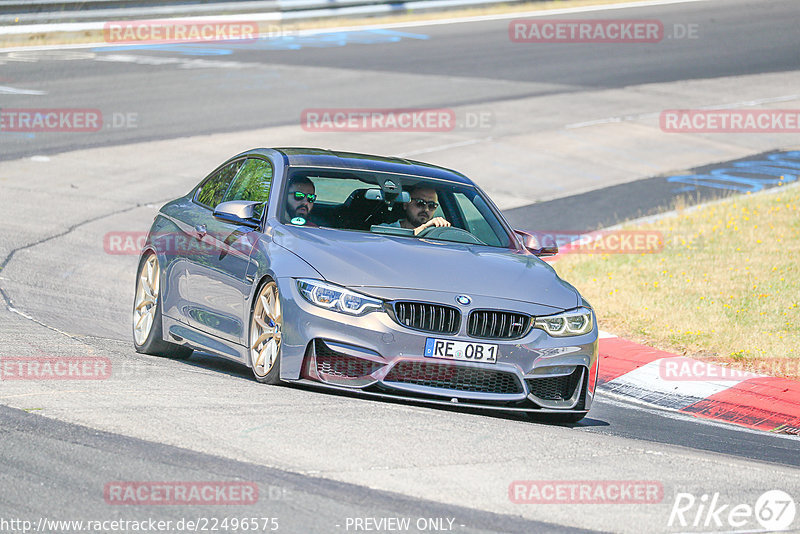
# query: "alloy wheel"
x,y
265,330
147,290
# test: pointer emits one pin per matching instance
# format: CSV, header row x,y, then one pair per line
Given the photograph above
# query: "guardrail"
x,y
86,7
46,12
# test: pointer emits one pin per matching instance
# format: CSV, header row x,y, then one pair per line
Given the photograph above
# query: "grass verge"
x,y
725,288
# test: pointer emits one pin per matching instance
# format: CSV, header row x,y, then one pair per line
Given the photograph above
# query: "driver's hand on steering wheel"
x,y
436,221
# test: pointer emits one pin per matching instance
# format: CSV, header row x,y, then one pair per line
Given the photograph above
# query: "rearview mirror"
x,y
377,194
533,246
242,212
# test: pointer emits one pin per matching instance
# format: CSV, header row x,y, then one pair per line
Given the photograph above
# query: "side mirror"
x,y
241,212
533,245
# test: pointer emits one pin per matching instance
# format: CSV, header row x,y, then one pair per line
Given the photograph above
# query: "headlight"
x,y
336,298
571,323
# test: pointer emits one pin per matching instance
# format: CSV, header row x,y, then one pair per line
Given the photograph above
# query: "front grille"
x,y
492,324
555,388
427,317
332,363
449,376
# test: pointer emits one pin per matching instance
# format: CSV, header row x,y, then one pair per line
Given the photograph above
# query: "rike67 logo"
x,y
774,511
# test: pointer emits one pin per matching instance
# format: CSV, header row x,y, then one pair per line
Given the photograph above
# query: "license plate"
x,y
465,351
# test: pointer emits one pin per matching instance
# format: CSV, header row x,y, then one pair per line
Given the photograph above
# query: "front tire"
x,y
266,322
147,332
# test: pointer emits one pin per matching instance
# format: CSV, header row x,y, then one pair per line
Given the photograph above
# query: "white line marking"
x,y
609,120
640,116
605,335
183,63
12,309
6,90
443,147
757,531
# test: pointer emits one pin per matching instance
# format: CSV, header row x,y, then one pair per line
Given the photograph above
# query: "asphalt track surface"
x,y
482,65
57,469
300,503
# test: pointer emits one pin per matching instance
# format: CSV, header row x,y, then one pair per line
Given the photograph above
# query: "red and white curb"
x,y
693,387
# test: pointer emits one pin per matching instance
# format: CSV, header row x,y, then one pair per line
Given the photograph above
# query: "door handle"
x,y
201,231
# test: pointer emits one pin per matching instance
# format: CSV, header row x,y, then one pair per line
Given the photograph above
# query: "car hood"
x,y
363,260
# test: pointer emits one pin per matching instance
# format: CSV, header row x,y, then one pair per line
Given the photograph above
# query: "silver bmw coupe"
x,y
376,275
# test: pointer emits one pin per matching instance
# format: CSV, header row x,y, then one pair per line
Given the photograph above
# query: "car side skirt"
x,y
183,334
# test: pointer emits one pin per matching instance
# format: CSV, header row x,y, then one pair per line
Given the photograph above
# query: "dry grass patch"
x,y
725,287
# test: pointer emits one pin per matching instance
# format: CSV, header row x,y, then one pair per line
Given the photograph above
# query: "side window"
x,y
252,183
213,190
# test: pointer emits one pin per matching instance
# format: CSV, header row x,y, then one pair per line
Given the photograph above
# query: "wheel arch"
x,y
281,265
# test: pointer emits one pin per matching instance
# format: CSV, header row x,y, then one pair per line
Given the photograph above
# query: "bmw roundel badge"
x,y
464,300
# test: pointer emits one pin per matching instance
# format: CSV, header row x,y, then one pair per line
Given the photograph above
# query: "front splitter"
x,y
422,400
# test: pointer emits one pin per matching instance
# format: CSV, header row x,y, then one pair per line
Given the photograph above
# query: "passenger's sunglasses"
x,y
299,195
422,203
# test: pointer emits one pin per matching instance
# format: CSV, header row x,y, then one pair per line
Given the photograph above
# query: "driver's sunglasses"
x,y
422,203
299,195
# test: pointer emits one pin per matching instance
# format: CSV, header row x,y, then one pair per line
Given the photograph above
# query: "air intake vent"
x,y
335,364
492,324
433,318
557,388
449,376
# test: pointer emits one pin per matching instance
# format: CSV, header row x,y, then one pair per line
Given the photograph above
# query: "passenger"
x,y
419,211
300,200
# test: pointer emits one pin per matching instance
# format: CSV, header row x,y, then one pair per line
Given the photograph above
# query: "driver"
x,y
424,202
300,199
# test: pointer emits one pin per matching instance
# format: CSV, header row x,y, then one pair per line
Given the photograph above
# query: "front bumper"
x,y
347,367
375,355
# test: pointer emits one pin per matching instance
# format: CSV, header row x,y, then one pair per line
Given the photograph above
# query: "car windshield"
x,y
393,204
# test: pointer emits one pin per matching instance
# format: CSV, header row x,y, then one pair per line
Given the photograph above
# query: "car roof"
x,y
318,157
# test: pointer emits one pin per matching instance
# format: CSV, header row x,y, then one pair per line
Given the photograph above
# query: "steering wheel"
x,y
450,233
